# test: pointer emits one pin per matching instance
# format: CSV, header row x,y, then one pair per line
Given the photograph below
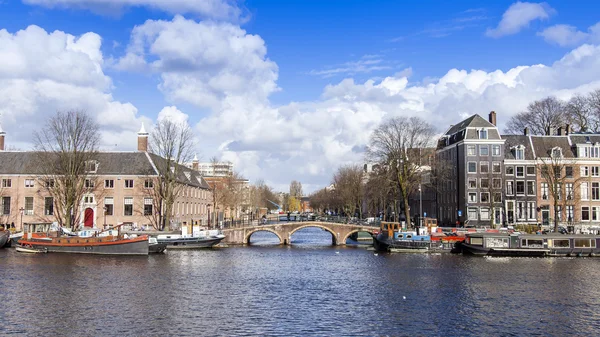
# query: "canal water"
x,y
307,289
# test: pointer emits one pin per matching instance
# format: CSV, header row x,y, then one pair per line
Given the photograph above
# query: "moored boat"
x,y
39,236
4,238
23,249
424,239
200,238
154,247
532,245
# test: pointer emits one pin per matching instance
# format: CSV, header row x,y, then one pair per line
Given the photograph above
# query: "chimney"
x,y
526,131
567,129
195,163
560,131
143,139
2,134
548,131
492,118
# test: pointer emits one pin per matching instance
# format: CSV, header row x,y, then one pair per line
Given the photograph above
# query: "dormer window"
x,y
91,166
483,134
556,152
519,152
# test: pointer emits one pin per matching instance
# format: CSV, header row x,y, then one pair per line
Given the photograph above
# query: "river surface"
x,y
307,289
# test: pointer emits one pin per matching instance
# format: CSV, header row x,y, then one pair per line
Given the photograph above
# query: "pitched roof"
x,y
516,140
543,145
583,138
186,175
474,121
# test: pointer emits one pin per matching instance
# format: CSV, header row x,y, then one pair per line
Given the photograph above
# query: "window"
x,y
91,166
496,167
484,167
89,183
510,187
472,211
483,134
557,171
128,206
484,212
472,183
520,153
531,187
569,191
88,199
148,183
28,205
520,188
108,206
128,183
595,191
595,172
5,205
570,213
569,171
6,182
583,188
595,213
521,215
531,210
558,190
485,183
471,150
530,170
472,167
50,183
147,206
585,213
109,183
520,172
585,243
48,206
559,213
556,152
544,191
496,183
484,150
28,182
510,170
584,171
497,197
495,150
485,196
472,196
510,211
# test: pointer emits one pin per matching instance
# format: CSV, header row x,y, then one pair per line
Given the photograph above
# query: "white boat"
x,y
200,238
22,249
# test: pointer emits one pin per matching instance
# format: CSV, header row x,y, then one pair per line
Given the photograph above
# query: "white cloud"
x,y
217,9
518,16
173,114
367,64
566,35
42,72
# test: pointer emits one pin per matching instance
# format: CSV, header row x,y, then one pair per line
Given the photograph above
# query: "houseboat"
x,y
428,238
110,242
517,244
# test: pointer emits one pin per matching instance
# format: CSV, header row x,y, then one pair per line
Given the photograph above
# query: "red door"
x,y
88,219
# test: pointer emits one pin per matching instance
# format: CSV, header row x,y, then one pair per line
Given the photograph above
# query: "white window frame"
x,y
522,171
472,213
469,167
469,181
472,197
484,148
471,150
482,133
496,150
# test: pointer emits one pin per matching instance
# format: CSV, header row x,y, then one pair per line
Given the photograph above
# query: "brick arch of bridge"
x,y
262,229
334,236
356,231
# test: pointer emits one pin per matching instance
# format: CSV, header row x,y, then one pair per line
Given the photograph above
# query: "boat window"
x,y
585,243
559,243
477,241
408,236
496,242
532,243
385,227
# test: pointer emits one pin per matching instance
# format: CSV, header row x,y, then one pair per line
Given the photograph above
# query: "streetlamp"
x,y
208,209
420,207
22,210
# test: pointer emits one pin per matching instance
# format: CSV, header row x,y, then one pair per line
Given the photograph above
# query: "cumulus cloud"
x,y
216,9
518,16
42,72
173,114
566,35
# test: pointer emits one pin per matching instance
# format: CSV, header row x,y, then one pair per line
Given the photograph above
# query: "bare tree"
x,y
348,182
396,143
579,114
296,189
67,149
539,116
173,143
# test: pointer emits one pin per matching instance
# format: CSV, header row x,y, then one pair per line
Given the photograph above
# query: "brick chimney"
x,y
195,163
492,118
548,131
2,134
143,139
560,131
526,131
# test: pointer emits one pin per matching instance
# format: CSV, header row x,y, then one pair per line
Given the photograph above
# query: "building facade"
x,y
119,190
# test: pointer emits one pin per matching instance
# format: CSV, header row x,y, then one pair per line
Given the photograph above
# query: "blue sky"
x,y
305,67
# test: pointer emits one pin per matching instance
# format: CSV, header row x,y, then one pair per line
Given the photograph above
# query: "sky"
x,y
286,90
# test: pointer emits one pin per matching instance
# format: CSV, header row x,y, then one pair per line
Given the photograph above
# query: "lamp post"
x,y
208,209
22,210
420,207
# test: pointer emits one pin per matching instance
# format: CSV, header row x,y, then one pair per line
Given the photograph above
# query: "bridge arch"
x,y
356,231
334,237
262,229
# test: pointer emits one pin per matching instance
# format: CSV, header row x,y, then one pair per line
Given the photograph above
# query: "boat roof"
x,y
533,236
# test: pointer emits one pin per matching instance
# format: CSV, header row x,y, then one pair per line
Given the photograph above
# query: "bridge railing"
x,y
283,218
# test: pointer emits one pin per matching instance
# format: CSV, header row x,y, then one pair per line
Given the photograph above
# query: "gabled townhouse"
x,y
473,153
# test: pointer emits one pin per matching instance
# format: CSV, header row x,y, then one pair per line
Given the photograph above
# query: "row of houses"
x,y
496,179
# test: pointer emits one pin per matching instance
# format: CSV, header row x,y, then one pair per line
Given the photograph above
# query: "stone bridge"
x,y
284,230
